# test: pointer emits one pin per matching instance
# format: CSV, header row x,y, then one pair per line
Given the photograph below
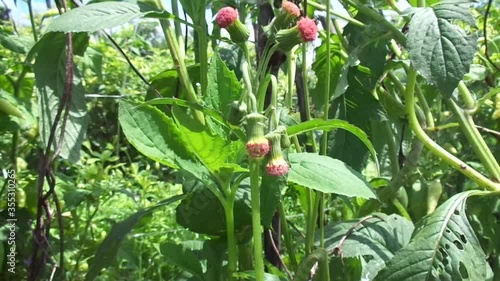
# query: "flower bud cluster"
x,y
279,30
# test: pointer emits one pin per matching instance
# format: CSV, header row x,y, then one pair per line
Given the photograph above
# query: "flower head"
x,y
291,9
277,167
305,31
226,17
257,148
288,13
308,29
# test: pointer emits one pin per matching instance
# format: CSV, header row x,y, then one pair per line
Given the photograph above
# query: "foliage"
x,y
126,127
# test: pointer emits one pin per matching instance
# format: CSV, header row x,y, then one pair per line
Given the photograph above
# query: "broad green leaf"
x,y
167,83
16,43
377,238
216,116
319,124
443,247
182,257
439,49
327,175
223,87
157,136
201,206
98,16
213,150
270,196
50,75
106,253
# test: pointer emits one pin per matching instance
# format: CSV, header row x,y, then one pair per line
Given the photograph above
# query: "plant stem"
x,y
245,256
256,225
32,20
177,26
392,148
310,220
328,11
291,67
287,237
232,253
434,147
469,101
178,59
203,49
476,140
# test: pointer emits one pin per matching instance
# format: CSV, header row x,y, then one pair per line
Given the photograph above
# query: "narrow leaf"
x,y
182,257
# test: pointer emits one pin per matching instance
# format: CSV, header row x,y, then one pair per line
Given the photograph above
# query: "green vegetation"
x,y
138,143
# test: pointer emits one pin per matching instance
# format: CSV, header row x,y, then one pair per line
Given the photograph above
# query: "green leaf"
x,y
106,253
439,49
157,136
182,257
167,83
319,124
327,175
50,73
443,247
98,16
377,238
223,87
16,43
213,150
202,206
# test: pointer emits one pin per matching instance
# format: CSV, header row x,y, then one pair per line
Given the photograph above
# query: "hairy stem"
x,y
256,225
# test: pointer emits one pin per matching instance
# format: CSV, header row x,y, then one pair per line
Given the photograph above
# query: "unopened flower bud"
x,y
257,145
227,18
287,14
284,138
277,165
305,31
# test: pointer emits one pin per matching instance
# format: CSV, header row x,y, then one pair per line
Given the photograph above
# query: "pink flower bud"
x,y
277,167
291,9
308,29
257,148
226,17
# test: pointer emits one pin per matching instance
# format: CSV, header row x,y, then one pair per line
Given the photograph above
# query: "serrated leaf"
x,y
377,239
223,87
439,49
157,136
98,16
108,249
327,175
444,247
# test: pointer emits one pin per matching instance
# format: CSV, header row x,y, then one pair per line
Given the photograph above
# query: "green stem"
x,y
307,104
311,220
261,94
203,49
469,101
179,61
177,25
291,67
256,225
330,11
434,147
476,140
232,253
392,149
32,20
425,108
290,248
343,40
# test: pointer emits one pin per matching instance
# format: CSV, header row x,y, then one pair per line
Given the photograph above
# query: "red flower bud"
x,y
226,17
308,29
257,148
277,167
291,9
